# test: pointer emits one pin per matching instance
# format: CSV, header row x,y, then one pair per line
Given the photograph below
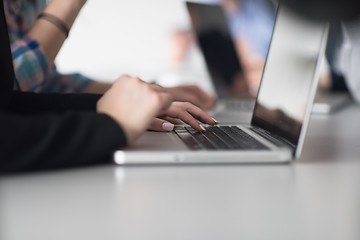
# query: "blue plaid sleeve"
x,y
31,67
32,70
33,73
65,83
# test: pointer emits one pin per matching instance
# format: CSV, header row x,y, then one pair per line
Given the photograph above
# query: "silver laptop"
x,y
224,65
280,117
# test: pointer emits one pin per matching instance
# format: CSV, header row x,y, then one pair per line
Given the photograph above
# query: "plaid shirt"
x,y
31,68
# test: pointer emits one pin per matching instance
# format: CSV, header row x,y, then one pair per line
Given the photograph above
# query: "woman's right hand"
x,y
133,104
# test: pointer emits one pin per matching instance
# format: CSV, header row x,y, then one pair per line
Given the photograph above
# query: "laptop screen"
x,y
234,41
290,72
215,41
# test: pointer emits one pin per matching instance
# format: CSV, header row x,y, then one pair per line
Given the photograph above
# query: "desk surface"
x,y
317,197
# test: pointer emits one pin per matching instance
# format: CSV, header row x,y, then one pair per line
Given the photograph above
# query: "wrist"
x,y
128,132
66,10
73,3
80,3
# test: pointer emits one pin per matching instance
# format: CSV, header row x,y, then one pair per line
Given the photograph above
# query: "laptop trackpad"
x,y
154,141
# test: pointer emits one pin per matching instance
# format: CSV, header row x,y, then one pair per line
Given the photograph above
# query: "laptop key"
x,y
189,141
193,139
248,140
231,143
218,138
218,142
208,139
204,141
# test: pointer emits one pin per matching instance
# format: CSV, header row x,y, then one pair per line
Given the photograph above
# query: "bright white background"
x,y
113,37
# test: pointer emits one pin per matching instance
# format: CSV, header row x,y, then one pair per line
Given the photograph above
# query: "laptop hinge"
x,y
275,139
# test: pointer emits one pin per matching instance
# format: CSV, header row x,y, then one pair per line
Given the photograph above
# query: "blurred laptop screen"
x,y
289,72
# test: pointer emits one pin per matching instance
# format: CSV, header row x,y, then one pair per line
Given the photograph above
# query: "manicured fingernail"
x,y
202,128
167,126
215,120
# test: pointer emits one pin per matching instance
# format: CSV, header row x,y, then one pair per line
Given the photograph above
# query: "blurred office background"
x,y
113,37
136,37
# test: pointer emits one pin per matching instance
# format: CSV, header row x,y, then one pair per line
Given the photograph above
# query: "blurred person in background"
x,y
344,39
251,24
38,30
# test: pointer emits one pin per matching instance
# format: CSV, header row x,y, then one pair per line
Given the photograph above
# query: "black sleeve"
x,y
48,131
26,102
38,142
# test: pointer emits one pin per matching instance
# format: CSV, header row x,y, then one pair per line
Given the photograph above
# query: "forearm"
x,y
49,36
97,87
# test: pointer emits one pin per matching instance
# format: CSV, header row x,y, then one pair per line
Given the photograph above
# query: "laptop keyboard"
x,y
218,138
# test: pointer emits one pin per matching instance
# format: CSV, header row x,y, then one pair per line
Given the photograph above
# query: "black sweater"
x,y
48,131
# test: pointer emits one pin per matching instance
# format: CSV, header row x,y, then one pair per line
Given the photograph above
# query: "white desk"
x,y
317,197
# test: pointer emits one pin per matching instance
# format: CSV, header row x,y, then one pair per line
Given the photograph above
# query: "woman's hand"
x,y
133,104
137,106
189,93
179,113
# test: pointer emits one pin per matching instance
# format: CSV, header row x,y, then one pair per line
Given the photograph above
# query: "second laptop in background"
x,y
226,68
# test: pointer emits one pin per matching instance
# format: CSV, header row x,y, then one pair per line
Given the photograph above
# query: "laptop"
x,y
280,117
210,25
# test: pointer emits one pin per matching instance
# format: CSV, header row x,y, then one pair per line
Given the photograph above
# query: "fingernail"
x,y
167,126
215,120
202,128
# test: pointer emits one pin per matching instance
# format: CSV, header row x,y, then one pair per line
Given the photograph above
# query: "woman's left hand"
x,y
189,93
179,112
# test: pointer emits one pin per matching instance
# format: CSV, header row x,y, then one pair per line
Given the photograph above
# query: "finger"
x,y
200,98
161,125
189,119
201,101
125,76
202,94
166,100
139,79
182,111
198,113
157,87
172,120
193,94
208,103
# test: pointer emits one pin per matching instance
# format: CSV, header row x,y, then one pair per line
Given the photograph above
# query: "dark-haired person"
x,y
345,13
